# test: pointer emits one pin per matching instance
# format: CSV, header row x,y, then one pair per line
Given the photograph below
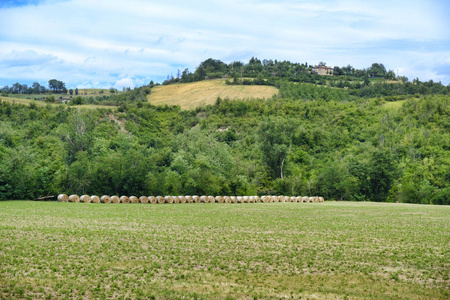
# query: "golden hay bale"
x,y
227,199
105,199
176,200
124,199
234,199
293,199
115,199
306,199
299,199
245,199
143,199
134,199
257,199
85,199
275,199
169,199
203,199
182,199
63,198
265,199
219,199
74,198
211,199
95,199
316,199
287,199
160,199
251,199
239,199
152,199
282,198
321,199
311,199
189,199
196,199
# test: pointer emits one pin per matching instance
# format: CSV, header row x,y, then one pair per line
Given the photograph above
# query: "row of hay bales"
x,y
185,199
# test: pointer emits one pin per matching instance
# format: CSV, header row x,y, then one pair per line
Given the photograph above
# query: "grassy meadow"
x,y
192,95
326,250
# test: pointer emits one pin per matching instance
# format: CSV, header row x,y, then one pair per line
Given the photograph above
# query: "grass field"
x,y
394,105
43,103
191,95
215,251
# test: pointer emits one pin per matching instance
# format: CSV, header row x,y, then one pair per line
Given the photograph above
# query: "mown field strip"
x,y
204,251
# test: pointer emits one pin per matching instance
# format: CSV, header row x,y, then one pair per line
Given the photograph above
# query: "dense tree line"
x,y
277,73
311,140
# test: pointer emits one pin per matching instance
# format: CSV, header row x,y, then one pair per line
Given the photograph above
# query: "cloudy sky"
x,y
117,43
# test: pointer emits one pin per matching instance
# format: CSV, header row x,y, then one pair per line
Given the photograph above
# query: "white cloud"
x,y
85,42
124,83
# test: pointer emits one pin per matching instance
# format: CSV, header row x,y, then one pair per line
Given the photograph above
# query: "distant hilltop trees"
x,y
54,86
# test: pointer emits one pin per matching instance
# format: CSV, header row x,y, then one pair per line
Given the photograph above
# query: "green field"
x,y
326,250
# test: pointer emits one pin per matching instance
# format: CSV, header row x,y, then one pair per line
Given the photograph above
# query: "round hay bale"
x,y
85,199
169,199
316,199
211,199
321,199
275,199
152,199
251,199
227,199
257,199
182,199
95,199
287,198
244,199
134,199
63,198
189,199
311,199
239,199
74,198
305,199
160,199
176,199
115,199
124,199
105,199
293,199
299,199
143,199
203,199
282,199
233,199
196,199
265,199
219,199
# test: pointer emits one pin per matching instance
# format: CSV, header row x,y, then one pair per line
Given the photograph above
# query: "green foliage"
x,y
312,140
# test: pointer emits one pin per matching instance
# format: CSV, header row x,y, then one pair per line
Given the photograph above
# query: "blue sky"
x,y
116,43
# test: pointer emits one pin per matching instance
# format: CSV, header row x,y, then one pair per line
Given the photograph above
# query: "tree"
x,y
71,92
57,86
382,169
275,140
76,91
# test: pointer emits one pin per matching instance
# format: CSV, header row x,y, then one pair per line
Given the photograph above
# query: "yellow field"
x,y
191,95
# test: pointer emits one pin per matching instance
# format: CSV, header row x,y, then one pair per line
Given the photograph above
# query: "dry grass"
x,y
191,95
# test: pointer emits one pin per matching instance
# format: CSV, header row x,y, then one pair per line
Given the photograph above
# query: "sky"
x,y
116,43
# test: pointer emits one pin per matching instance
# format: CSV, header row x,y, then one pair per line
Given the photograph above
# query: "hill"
x,y
191,95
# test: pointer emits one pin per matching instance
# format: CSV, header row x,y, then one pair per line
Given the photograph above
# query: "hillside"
x,y
191,95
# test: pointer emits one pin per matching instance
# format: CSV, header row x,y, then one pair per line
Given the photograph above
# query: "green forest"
x,y
362,135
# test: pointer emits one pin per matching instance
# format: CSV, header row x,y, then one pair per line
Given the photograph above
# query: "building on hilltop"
x,y
323,70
